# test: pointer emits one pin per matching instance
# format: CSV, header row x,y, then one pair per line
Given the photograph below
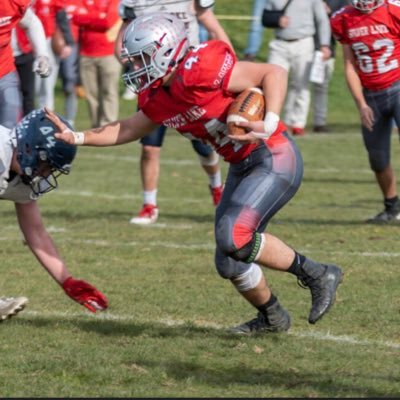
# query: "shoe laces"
x,y
147,210
308,282
257,322
302,282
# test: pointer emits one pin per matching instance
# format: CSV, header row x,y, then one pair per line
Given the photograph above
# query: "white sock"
x,y
215,180
150,197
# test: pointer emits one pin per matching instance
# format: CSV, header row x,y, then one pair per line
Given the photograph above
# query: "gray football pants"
x,y
10,100
255,190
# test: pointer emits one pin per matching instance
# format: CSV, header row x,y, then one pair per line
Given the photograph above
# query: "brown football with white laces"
x,y
248,106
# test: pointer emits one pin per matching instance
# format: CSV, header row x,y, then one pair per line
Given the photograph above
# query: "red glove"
x,y
85,294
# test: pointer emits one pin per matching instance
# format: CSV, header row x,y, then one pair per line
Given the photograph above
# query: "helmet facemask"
x,y
141,72
366,5
43,178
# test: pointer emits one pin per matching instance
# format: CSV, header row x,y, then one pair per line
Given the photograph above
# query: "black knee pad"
x,y
249,251
225,242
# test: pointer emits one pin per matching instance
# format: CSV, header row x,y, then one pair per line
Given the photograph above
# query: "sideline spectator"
x,y
100,70
293,49
69,66
320,90
369,31
256,32
265,171
51,14
18,12
30,164
24,59
192,12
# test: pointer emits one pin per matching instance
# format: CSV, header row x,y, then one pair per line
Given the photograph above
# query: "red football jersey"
x,y
99,22
375,41
11,12
46,11
197,102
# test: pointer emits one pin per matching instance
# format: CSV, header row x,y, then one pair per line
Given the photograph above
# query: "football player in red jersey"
x,y
190,89
369,31
13,12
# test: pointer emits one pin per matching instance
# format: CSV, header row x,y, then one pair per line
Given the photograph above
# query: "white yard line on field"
x,y
317,335
195,246
129,197
165,161
113,158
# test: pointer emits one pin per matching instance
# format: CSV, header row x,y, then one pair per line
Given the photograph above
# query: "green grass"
x,y
164,333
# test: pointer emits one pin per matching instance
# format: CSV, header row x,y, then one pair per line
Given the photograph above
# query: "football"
x,y
248,106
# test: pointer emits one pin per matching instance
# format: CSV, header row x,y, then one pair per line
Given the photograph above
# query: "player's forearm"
x,y
354,84
50,260
35,32
40,243
112,134
118,41
274,87
108,135
214,28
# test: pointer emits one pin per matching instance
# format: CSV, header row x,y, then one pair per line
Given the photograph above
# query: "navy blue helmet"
x,y
41,156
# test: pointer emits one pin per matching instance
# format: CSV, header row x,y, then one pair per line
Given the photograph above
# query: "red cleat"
x,y
147,215
216,194
298,131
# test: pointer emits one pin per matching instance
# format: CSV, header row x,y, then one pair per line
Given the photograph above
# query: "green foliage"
x,y
164,333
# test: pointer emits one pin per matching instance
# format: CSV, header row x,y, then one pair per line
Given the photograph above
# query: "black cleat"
x,y
387,216
277,320
323,291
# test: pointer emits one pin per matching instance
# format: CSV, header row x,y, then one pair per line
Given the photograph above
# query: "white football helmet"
x,y
366,5
151,46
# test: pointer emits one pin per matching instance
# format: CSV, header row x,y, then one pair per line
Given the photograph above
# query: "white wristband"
x,y
271,121
79,137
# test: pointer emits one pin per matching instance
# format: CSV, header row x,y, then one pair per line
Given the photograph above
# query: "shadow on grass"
x,y
108,327
322,383
320,221
123,216
308,383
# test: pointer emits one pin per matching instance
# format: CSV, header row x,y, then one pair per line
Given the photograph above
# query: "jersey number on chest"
x,y
382,64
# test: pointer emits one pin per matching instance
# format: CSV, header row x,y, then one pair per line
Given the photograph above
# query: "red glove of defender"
x,y
85,294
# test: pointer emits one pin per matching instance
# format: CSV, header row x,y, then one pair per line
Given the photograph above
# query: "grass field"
x,y
164,332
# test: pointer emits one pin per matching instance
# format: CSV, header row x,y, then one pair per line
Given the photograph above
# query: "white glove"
x,y
271,121
42,66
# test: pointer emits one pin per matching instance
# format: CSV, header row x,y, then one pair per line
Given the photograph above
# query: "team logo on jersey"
x,y
225,68
367,30
192,114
